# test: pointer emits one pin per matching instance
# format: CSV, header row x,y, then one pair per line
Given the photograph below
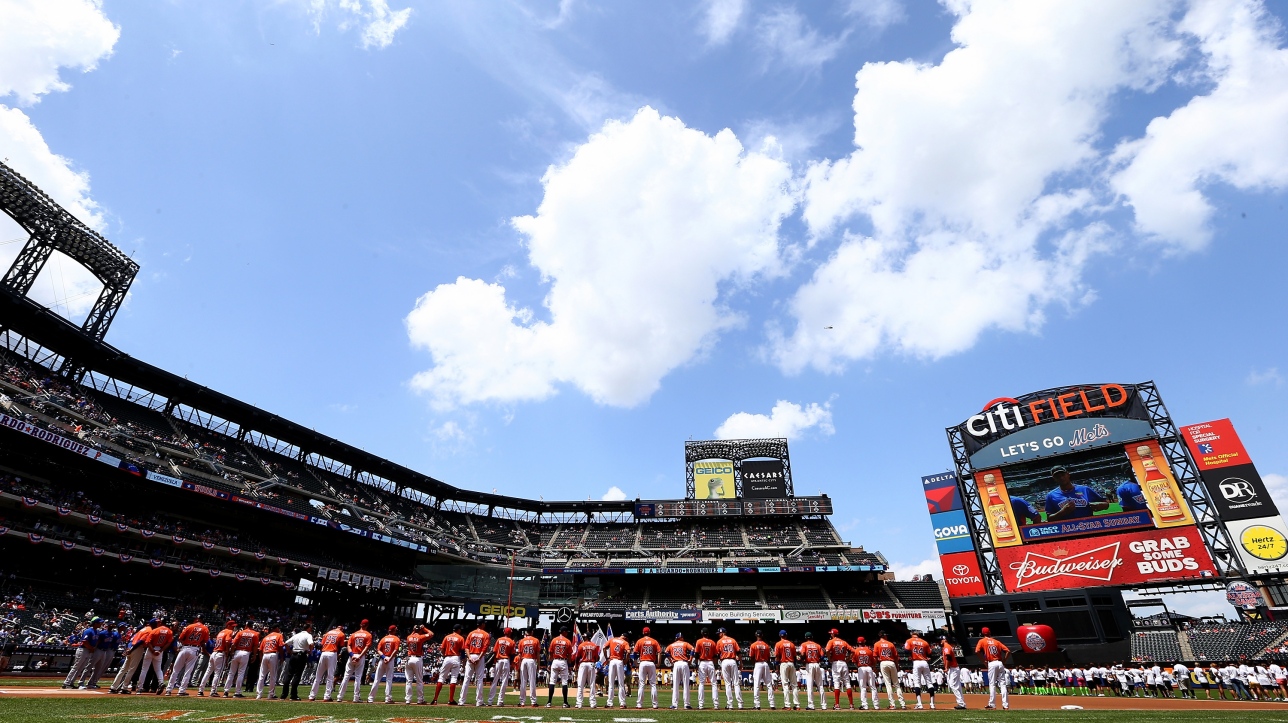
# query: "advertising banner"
x,y
764,479
499,608
961,575
1130,558
997,508
951,533
713,479
1238,492
664,615
941,492
745,616
1063,437
1215,445
1262,544
1155,480
796,616
875,616
1007,416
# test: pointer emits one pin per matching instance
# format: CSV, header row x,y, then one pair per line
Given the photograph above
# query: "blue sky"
x,y
536,246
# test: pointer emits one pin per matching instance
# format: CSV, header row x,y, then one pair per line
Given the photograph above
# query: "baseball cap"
x,y
457,627
508,631
1058,469
365,622
782,633
809,636
861,640
720,630
95,619
393,628
984,631
679,635
834,631
645,630
153,621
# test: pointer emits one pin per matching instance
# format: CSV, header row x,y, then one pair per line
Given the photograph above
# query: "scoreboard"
x,y
734,508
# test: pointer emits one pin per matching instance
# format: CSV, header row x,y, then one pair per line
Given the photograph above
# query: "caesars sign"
x,y
713,479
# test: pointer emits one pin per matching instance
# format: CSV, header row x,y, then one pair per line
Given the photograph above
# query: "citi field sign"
x,y
1005,416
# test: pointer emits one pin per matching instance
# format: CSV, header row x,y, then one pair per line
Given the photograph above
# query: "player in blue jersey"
x,y
1069,501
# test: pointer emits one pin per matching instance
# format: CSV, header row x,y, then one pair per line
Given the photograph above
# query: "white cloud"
x,y
636,234
877,14
963,206
721,20
1277,486
789,38
786,419
1268,377
1235,134
614,494
40,37
905,570
379,24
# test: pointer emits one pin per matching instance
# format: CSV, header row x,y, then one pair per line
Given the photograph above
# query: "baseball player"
x,y
728,650
133,658
887,656
218,660
994,654
245,644
785,654
560,653
863,657
414,667
759,653
952,671
647,651
919,650
386,650
359,643
706,654
529,654
452,648
159,641
270,652
109,639
191,640
838,654
619,650
477,644
587,656
86,642
502,652
331,643
812,656
680,653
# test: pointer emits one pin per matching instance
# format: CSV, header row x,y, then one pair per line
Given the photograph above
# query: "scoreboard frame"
x,y
690,509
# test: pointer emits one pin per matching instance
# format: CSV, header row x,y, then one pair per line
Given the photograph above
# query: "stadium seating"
x,y
1160,646
1233,641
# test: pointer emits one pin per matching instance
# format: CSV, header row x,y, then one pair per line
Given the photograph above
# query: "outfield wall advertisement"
x,y
953,539
1133,558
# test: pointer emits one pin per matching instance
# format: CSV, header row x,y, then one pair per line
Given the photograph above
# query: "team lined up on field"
x,y
468,659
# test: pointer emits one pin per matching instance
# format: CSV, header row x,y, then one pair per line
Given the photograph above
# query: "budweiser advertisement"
x,y
961,574
1130,558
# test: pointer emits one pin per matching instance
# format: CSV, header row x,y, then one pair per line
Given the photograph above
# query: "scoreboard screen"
x,y
734,508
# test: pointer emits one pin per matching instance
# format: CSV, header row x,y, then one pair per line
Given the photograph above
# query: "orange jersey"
x,y
388,645
885,650
224,640
648,649
618,649
529,648
811,652
587,652
680,651
919,649
560,648
785,651
759,652
862,656
728,648
706,648
453,644
247,640
160,638
195,635
476,642
991,649
504,648
417,642
950,656
359,642
332,641
837,649
272,644
141,637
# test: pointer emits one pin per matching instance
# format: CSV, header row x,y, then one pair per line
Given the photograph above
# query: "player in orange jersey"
x,y
706,652
191,641
477,644
529,652
134,656
919,650
619,652
359,643
759,653
887,656
245,644
386,652
994,653
587,656
785,654
863,661
812,656
453,649
270,654
647,651
218,660
838,654
727,648
680,653
160,640
331,642
952,671
417,646
560,654
503,651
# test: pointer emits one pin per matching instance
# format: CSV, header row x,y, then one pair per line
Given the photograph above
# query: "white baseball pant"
x,y
353,671
214,672
760,675
325,671
267,674
707,674
415,671
383,668
586,682
679,681
997,680
236,676
732,682
501,678
181,672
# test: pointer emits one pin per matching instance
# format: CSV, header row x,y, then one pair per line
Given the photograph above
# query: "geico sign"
x,y
716,467
1007,414
512,611
951,531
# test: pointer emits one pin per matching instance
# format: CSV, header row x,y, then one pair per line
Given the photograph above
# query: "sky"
x,y
533,247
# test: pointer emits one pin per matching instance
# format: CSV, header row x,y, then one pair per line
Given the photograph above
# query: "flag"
x,y
576,635
599,638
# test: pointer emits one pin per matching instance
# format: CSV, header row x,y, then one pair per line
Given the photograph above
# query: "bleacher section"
x,y
917,594
1233,641
1160,646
